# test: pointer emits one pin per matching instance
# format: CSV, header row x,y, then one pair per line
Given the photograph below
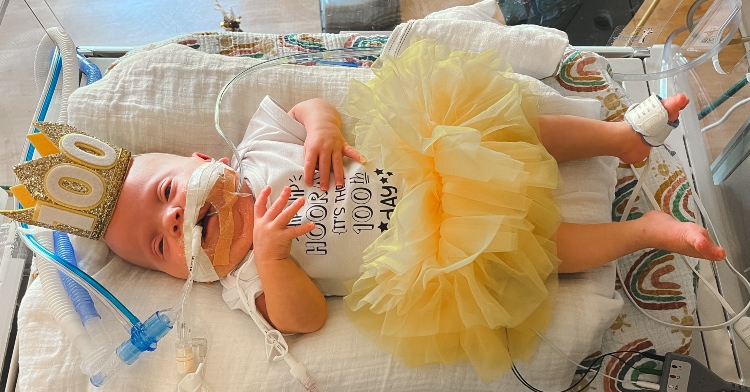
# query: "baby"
x,y
304,147
450,229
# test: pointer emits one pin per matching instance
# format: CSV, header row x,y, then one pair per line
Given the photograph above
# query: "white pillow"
x,y
163,100
483,11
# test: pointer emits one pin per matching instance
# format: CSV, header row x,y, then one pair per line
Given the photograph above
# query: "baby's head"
x,y
146,228
139,205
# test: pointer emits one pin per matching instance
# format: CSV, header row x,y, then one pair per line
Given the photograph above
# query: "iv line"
x,y
317,57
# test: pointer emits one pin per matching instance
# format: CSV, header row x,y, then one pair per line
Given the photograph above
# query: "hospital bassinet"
x,y
590,317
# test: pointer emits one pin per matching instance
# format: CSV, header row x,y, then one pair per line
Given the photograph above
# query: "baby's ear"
x,y
202,156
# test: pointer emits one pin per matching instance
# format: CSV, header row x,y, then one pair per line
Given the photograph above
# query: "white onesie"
x,y
347,219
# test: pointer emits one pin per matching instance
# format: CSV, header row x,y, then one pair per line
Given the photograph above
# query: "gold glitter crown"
x,y
74,186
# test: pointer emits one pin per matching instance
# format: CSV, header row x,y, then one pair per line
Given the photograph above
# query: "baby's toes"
x,y
705,247
674,104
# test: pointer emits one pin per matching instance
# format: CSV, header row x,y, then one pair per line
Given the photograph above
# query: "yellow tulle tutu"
x,y
469,264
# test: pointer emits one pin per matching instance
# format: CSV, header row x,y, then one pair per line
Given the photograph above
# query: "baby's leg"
x,y
582,247
570,137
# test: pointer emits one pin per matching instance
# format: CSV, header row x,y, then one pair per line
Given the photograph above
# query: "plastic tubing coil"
x,y
79,296
67,52
58,301
84,306
92,72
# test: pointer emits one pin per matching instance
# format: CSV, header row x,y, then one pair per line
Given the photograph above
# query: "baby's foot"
x,y
635,149
681,237
674,105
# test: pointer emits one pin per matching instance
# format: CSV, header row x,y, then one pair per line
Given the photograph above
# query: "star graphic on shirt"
x,y
389,174
383,179
379,171
383,226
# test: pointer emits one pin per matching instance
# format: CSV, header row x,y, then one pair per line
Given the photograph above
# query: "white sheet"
x,y
337,356
166,97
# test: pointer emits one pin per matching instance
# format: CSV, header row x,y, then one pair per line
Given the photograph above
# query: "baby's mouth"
x,y
204,217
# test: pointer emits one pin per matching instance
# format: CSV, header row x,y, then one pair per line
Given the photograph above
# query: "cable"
x,y
731,91
567,357
726,115
641,185
598,359
646,354
732,320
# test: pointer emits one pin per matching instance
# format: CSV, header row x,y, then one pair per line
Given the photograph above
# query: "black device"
x,y
681,373
359,15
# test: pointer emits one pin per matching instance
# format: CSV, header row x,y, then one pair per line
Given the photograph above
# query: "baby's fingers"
x,y
324,169
261,201
278,206
337,161
311,161
296,231
285,216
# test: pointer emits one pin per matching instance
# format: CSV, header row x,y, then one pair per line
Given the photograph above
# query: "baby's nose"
x,y
173,221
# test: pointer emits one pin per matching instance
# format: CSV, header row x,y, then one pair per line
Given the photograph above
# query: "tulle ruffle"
x,y
468,265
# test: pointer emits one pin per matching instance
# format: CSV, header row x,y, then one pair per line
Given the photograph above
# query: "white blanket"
x,y
337,356
532,50
163,100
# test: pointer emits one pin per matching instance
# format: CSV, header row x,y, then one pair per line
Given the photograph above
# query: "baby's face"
x,y
146,227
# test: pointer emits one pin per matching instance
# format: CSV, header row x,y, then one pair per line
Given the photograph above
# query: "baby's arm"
x,y
291,301
325,146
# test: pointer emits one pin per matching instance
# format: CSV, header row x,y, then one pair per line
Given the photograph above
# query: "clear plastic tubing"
x,y
125,316
321,57
84,306
731,25
143,337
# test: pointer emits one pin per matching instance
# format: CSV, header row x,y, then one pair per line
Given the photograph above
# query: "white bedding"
x,y
163,100
337,356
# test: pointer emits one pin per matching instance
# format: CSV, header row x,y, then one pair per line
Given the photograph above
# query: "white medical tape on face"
x,y
200,185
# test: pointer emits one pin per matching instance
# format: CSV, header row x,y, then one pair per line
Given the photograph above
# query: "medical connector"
x,y
143,337
185,358
683,373
186,362
190,354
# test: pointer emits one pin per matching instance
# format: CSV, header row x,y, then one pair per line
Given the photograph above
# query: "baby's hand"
x,y
325,148
271,236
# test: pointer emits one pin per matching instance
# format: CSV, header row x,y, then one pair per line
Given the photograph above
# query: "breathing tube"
x,y
69,298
